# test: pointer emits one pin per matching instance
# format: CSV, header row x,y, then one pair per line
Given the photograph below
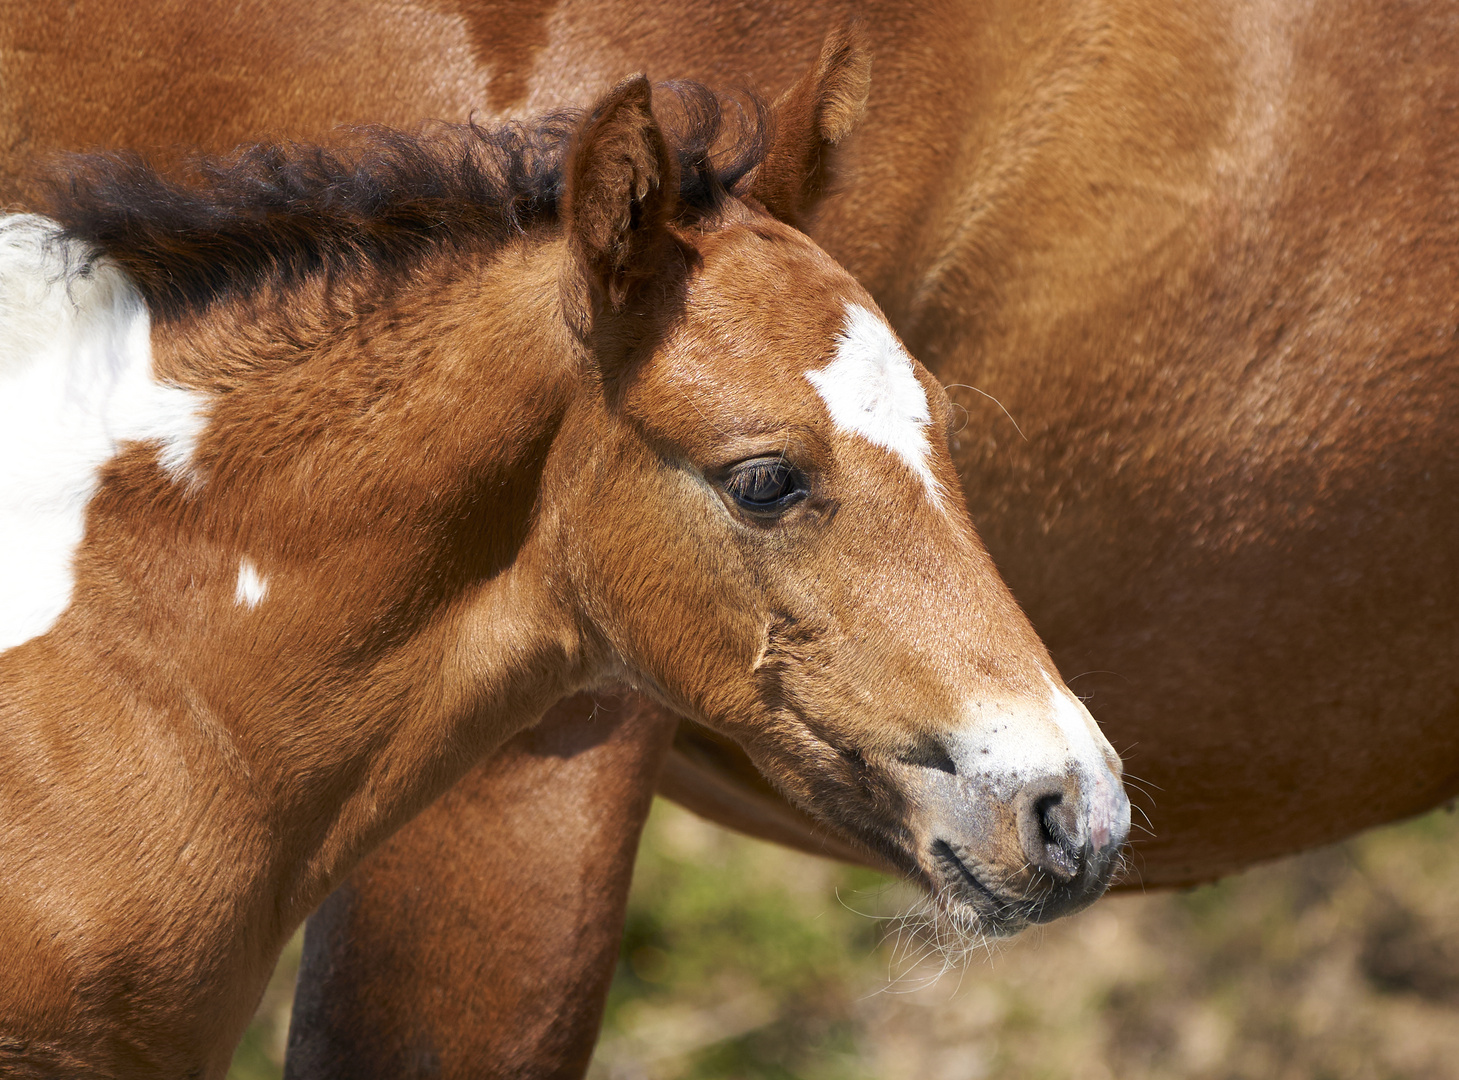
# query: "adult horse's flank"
x,y
328,472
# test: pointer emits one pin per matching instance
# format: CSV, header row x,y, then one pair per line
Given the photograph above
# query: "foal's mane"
x,y
273,215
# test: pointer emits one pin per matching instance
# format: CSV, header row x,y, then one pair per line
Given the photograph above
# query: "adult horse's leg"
x,y
480,941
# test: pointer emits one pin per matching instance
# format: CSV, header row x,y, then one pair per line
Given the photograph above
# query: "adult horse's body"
x,y
1204,254
328,473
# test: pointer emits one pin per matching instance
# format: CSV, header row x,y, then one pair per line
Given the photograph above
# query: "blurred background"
x,y
744,960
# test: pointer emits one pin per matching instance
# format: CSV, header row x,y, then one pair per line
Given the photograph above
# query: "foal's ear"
x,y
622,191
810,118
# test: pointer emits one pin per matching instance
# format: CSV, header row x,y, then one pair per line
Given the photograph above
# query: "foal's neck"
x,y
362,503
277,652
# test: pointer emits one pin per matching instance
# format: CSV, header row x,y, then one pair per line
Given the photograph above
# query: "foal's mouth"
x,y
957,884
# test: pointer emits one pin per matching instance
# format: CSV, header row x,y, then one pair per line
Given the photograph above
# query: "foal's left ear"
x,y
622,192
807,121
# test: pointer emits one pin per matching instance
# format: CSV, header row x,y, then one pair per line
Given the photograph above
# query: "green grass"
x,y
741,960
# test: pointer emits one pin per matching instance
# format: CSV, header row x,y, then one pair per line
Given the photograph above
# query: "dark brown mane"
x,y
274,215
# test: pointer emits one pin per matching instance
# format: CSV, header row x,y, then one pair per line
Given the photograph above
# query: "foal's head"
x,y
768,533
580,406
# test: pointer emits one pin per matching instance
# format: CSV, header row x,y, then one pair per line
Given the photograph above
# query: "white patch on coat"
x,y
76,383
871,389
252,587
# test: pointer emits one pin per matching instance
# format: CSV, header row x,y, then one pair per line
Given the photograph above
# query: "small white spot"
x,y
1108,809
252,587
871,389
76,382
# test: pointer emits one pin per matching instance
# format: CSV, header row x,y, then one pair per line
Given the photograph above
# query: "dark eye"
x,y
765,485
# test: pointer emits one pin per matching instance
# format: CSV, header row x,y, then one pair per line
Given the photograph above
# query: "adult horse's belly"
x,y
1205,259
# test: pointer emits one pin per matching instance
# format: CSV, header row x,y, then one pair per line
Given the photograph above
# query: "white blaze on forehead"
x,y
251,588
76,382
871,389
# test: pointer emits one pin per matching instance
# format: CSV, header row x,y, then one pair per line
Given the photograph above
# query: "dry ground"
x,y
742,960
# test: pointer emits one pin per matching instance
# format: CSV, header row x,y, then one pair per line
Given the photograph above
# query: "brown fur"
x,y
813,116
621,198
597,748
482,442
1201,253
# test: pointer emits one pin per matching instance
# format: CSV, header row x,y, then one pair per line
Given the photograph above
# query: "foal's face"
x,y
777,544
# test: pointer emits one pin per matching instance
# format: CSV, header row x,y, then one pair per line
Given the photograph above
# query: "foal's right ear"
x,y
621,193
807,121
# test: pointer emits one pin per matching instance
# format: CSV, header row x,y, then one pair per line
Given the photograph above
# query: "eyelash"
x,y
765,485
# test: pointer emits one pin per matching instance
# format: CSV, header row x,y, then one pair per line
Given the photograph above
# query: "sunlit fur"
x,y
871,388
467,403
1187,270
1210,291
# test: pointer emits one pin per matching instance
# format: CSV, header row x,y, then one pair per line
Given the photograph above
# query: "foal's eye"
x,y
765,485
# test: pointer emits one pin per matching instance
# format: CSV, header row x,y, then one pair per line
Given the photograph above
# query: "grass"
x,y
741,960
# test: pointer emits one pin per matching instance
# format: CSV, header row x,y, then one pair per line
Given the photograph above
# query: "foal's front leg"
x,y
481,939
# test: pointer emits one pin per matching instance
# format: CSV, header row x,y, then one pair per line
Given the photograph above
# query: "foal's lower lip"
x,y
942,852
990,909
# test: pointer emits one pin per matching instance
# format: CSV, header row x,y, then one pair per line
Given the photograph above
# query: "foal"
x,y
336,471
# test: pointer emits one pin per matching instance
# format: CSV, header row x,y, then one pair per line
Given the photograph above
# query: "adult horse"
x,y
327,473
1205,256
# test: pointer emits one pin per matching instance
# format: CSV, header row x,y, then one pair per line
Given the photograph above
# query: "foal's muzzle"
x,y
1019,851
1071,835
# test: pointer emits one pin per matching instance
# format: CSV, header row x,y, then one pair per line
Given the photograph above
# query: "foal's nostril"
x,y
1059,852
